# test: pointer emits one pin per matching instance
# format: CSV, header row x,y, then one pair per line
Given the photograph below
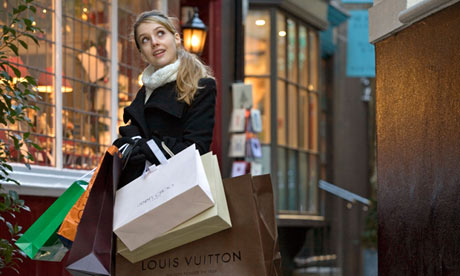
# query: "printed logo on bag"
x,y
188,261
155,196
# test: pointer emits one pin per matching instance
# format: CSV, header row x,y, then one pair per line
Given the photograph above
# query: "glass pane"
x,y
292,119
261,101
292,51
313,184
303,119
257,43
314,59
265,161
303,182
36,61
281,112
281,38
303,54
86,82
129,62
281,177
313,122
292,180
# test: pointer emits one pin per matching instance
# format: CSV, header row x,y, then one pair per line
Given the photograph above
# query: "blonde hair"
x,y
191,69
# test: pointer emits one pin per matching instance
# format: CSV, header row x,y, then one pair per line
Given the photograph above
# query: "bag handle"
x,y
157,151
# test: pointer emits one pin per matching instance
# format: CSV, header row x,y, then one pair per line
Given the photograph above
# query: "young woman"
x,y
175,106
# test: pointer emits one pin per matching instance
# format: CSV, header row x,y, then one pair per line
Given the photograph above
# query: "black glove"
x,y
141,152
123,140
129,131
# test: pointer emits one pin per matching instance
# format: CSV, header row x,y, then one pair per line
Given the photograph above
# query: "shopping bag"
x,y
69,226
239,250
91,252
267,223
164,197
213,220
40,241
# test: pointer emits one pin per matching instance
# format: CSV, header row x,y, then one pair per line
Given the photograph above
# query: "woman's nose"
x,y
154,41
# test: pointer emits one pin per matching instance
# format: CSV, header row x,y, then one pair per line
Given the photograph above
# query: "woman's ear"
x,y
177,39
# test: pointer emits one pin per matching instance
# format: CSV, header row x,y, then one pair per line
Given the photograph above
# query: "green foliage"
x,y
17,97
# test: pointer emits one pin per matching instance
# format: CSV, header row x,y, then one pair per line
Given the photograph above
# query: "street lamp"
x,y
194,34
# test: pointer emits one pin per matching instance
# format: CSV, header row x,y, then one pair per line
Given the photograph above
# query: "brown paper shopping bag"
x,y
249,248
68,228
91,252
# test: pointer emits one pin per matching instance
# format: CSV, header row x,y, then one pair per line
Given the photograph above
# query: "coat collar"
x,y
163,98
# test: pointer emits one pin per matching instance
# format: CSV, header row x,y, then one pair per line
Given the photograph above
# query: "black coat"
x,y
177,124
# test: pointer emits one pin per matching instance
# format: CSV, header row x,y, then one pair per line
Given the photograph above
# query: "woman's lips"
x,y
158,53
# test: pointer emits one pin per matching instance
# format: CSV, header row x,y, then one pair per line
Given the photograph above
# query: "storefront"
x,y
88,69
282,62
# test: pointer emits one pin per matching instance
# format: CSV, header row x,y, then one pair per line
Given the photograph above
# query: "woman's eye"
x,y
161,33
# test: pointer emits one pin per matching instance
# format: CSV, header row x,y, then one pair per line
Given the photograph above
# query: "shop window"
x,y
130,63
257,43
304,130
296,95
314,60
293,113
281,113
303,182
86,62
303,57
292,51
281,45
313,184
257,66
313,122
292,180
86,67
261,101
37,61
281,179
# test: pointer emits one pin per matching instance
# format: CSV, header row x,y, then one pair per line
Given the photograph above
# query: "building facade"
x,y
88,70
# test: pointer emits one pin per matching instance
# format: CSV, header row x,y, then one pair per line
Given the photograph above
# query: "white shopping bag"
x,y
162,198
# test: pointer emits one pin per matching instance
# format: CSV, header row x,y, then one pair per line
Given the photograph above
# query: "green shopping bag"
x,y
40,241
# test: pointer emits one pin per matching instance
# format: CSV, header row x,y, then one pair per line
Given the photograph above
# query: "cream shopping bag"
x,y
164,197
213,220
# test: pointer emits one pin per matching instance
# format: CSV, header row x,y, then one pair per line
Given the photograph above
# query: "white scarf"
x,y
153,79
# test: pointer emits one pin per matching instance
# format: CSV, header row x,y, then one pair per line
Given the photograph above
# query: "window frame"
x,y
275,81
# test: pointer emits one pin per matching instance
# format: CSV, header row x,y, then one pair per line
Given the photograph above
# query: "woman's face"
x,y
158,46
